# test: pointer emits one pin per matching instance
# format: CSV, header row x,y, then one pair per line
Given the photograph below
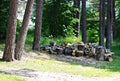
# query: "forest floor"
x,y
41,75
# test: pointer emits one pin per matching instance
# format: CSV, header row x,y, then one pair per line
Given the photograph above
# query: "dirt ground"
x,y
32,75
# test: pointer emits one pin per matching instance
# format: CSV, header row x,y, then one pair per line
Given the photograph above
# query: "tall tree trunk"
x,y
38,26
11,32
109,26
84,36
102,22
19,50
114,27
77,15
113,17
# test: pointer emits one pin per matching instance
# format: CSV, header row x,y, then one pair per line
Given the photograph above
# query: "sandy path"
x,y
33,75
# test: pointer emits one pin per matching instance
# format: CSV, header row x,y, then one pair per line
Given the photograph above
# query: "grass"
x,y
71,39
8,77
116,47
52,65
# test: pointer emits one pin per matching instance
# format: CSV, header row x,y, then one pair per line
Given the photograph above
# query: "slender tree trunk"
x,y
102,22
38,26
19,50
77,15
84,36
11,32
113,18
109,26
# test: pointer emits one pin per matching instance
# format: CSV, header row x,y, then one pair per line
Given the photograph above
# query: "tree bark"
x,y
109,26
11,32
114,27
19,50
77,15
113,18
84,36
38,26
102,22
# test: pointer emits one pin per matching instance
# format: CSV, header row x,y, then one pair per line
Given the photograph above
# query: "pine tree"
x,y
19,50
102,22
84,36
109,26
38,26
11,32
77,15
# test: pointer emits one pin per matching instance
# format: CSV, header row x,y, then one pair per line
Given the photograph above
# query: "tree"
x,y
84,21
19,50
109,26
113,18
77,15
38,26
11,32
102,22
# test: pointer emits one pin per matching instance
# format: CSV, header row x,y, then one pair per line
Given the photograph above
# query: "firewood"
x,y
110,59
86,50
81,47
59,50
78,53
74,52
65,44
100,53
67,51
42,48
108,56
52,43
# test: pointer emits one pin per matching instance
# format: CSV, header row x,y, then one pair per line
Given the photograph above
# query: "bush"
x,y
92,35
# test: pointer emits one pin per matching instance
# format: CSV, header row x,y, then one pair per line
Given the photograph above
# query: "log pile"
x,y
79,49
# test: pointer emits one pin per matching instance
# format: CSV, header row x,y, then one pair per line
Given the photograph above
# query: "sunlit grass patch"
x,y
71,39
7,77
51,65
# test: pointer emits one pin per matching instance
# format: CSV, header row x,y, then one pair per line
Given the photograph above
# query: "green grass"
x,y
8,77
72,39
52,65
116,47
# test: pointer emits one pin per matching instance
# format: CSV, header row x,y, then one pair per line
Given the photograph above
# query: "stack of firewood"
x,y
79,49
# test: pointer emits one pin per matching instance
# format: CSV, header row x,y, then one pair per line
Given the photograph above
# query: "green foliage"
x,y
92,26
4,11
117,23
18,27
92,36
71,39
58,18
94,4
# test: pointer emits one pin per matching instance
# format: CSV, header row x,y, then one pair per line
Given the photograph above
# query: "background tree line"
x,y
94,22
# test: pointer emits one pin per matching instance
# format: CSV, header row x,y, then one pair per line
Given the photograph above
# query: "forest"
x,y
77,37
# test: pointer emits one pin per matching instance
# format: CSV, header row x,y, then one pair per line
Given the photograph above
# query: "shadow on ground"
x,y
113,66
20,72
